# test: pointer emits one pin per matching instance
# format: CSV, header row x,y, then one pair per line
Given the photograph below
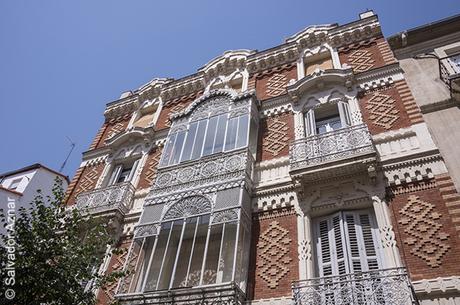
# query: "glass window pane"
x,y
144,262
212,257
220,134
177,147
242,139
231,134
227,253
187,153
168,149
210,135
193,278
184,253
199,139
170,257
157,259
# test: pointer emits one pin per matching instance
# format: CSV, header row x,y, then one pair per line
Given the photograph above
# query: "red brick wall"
x,y
275,134
274,260
114,127
428,242
383,110
148,174
98,137
86,181
273,83
106,294
173,106
367,55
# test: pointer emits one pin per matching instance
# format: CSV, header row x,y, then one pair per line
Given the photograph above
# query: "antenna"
x,y
72,146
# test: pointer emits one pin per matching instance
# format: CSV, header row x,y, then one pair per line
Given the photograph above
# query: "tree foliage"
x,y
53,252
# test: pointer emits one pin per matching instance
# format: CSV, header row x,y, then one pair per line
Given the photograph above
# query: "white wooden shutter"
x,y
133,170
344,111
310,125
115,174
347,242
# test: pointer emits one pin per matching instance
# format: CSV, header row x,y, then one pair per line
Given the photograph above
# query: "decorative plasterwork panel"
x,y
189,206
273,261
427,237
225,216
382,110
277,136
276,84
361,60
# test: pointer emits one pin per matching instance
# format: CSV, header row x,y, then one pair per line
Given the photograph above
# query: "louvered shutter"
x,y
115,174
310,125
344,111
324,248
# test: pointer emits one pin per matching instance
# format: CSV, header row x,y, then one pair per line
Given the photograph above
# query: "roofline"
x,y
31,167
422,33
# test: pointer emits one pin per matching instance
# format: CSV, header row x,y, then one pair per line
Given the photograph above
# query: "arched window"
x,y
194,246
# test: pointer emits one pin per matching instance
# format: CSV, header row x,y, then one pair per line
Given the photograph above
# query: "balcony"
x,y
336,153
112,199
229,294
449,71
380,287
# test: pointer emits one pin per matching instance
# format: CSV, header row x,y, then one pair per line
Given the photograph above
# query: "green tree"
x,y
54,252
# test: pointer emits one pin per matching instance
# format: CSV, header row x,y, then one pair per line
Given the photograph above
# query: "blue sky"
x,y
62,61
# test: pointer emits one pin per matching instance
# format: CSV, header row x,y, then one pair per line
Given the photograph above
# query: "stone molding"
x,y
438,285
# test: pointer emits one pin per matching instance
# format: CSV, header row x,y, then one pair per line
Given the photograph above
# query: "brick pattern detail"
x,y
150,169
173,106
451,197
113,127
274,262
427,239
412,109
275,134
87,180
365,55
106,295
383,110
361,60
386,52
273,82
425,231
73,184
98,137
251,83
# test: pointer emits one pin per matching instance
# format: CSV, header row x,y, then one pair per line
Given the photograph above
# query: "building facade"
x,y
305,173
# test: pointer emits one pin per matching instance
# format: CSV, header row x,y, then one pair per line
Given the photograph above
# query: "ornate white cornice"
x,y
226,63
437,285
135,134
318,79
121,107
379,77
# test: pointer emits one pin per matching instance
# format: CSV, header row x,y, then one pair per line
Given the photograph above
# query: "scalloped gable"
x,y
231,94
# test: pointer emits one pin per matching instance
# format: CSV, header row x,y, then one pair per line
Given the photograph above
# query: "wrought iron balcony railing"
x,y
228,294
449,72
379,287
118,197
331,146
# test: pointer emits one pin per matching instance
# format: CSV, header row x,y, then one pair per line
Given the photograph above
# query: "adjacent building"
x,y
302,174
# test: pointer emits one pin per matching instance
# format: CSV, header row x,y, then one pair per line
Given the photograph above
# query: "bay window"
x,y
192,251
205,137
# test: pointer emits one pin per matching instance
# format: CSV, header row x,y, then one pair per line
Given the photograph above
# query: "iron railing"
x,y
449,72
330,146
225,294
116,197
379,287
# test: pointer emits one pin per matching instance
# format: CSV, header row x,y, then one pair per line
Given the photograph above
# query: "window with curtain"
x,y
347,242
206,137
